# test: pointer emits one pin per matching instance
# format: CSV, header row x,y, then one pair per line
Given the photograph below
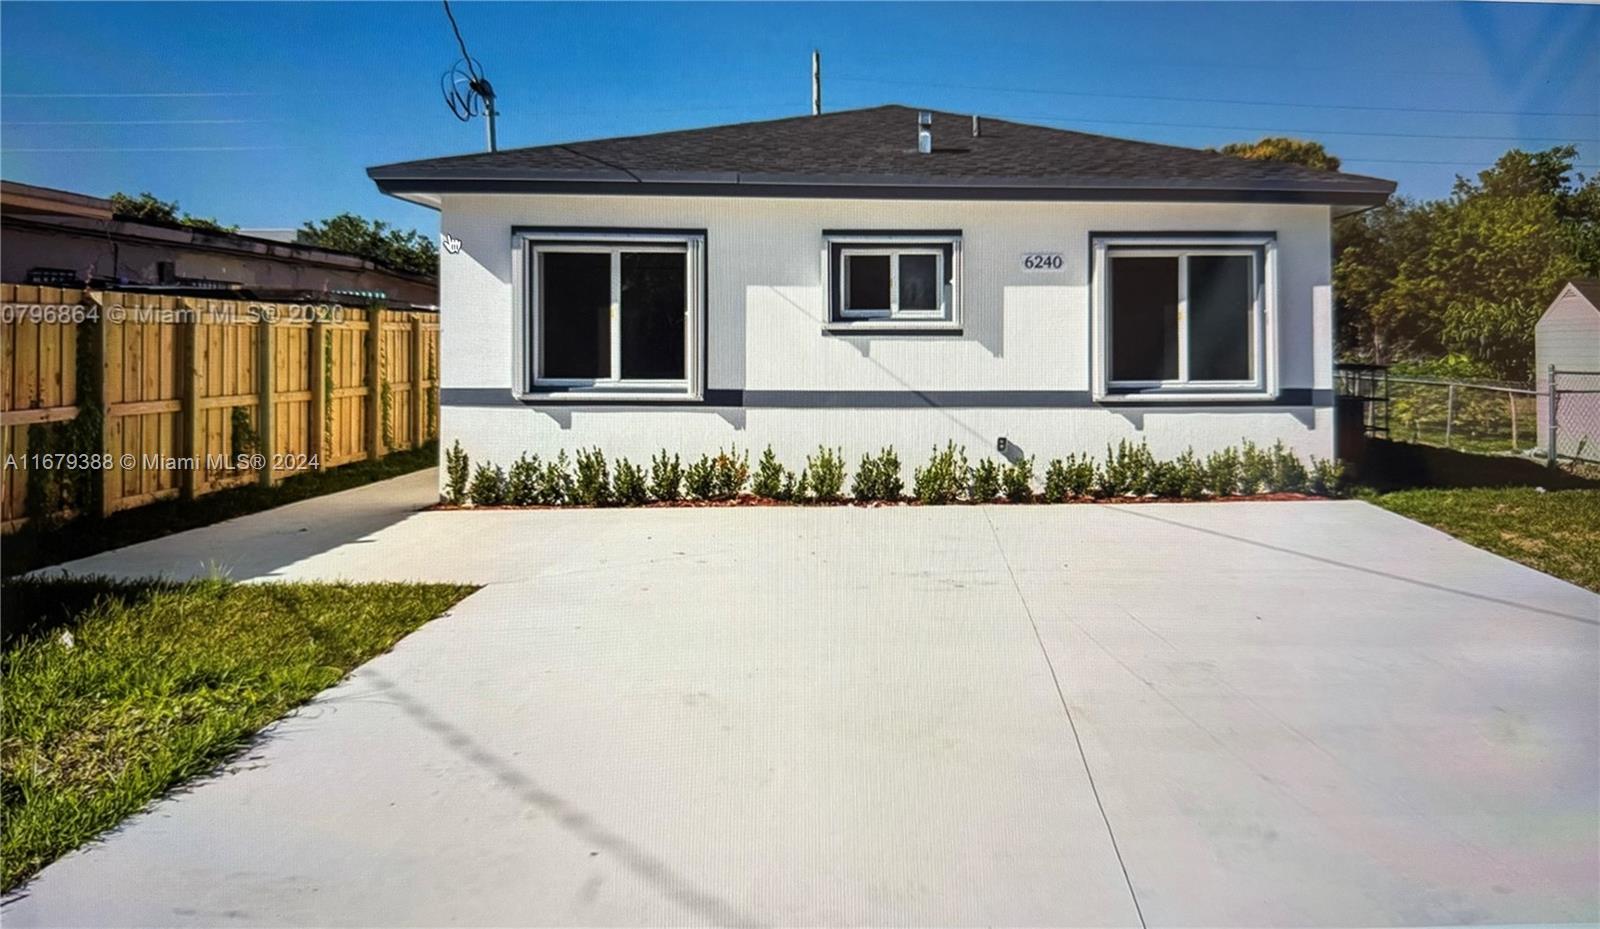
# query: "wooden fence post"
x,y
319,391
419,394
374,383
111,476
1511,400
1449,414
193,443
266,385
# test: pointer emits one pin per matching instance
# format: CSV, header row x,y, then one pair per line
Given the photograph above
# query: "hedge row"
x,y
1129,470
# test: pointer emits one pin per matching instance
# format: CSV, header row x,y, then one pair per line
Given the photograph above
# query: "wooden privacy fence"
x,y
114,400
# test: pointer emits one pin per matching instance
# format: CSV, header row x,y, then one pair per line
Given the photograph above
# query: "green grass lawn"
x,y
1557,532
38,546
159,683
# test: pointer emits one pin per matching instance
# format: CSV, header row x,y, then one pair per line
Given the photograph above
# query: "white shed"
x,y
1567,338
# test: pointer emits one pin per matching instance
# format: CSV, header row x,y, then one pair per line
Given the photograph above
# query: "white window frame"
x,y
530,382
893,310
946,316
1262,385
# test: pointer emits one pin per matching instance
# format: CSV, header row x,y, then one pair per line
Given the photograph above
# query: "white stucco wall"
x,y
767,305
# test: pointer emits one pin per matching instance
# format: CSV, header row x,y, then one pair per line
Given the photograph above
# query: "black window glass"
x,y
868,286
919,282
575,314
1219,317
1144,319
653,299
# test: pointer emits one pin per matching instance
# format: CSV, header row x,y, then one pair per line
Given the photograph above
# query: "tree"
x,y
375,240
1469,274
1281,148
148,208
1383,298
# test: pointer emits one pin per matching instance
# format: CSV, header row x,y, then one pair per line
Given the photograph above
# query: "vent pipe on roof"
x,y
975,130
925,132
816,83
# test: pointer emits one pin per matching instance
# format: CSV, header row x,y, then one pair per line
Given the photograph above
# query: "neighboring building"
x,y
1567,337
66,239
821,280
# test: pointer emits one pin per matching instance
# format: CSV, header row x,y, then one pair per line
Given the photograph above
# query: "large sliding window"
x,y
611,314
1183,317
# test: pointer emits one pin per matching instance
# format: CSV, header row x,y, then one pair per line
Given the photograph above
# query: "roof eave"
x,y
427,189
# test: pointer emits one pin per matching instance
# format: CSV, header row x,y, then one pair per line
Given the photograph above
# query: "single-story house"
x,y
1567,338
881,276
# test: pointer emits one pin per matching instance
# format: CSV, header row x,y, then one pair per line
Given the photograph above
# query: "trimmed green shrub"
x,y
700,479
1019,481
666,477
944,478
730,472
628,484
1255,469
1162,479
1130,469
1222,472
1188,477
457,467
1055,481
1288,474
878,477
826,473
769,476
555,482
795,488
1327,476
593,484
522,482
488,486
985,484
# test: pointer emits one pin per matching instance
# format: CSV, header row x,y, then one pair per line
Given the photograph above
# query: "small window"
x,y
1183,318
881,282
617,315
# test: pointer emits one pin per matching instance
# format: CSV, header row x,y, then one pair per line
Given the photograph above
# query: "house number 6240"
x,y
1042,261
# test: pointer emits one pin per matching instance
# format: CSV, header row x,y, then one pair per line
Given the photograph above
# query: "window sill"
x,y
578,395
889,327
1173,395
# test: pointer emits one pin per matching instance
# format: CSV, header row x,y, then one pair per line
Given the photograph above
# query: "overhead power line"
x,y
1224,100
131,122
1309,131
163,94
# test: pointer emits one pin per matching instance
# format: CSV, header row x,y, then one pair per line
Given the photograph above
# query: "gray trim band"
x,y
1293,398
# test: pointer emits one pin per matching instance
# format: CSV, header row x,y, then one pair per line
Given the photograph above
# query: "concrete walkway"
x,y
1283,714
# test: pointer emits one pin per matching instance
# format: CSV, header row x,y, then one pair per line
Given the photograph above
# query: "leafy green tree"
x,y
1282,148
375,240
1470,274
147,207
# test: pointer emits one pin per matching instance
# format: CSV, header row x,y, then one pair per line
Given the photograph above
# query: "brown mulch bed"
x,y
753,500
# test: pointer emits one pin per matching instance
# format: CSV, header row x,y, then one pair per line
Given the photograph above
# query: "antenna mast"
x,y
816,83
467,91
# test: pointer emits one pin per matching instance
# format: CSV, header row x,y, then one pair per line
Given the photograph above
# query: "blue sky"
x,y
266,114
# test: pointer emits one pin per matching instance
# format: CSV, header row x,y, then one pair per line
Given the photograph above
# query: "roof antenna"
x,y
816,83
467,91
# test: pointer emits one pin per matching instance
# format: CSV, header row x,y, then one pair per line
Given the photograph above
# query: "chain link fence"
x,y
1569,415
1468,416
1556,419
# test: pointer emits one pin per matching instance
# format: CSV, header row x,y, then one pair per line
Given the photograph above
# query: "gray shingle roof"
x,y
872,152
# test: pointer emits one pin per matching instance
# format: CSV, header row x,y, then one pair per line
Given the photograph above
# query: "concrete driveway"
x,y
1279,714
